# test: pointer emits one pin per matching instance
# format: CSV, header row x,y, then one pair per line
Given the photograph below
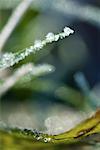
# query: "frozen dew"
x,y
28,50
50,37
68,31
38,45
44,42
37,135
22,55
7,59
40,136
62,35
56,38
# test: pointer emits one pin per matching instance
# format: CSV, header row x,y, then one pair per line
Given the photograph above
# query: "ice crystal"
x,y
68,31
50,37
9,59
38,45
56,38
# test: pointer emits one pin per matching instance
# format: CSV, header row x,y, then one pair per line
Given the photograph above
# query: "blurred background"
x,y
57,101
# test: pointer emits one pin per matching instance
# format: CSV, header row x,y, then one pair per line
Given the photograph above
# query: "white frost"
x,y
9,59
62,123
38,44
68,31
50,37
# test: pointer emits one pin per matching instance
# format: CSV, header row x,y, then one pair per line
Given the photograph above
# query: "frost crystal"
x,y
7,59
50,37
68,31
38,44
56,37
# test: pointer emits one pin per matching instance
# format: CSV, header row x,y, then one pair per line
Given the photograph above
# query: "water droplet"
x,y
47,140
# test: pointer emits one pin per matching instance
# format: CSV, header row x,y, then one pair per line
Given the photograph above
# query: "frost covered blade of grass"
x,y
26,70
9,59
